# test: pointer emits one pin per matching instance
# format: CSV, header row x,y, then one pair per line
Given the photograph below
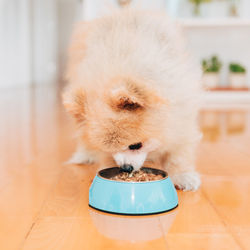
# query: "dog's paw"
x,y
187,181
80,157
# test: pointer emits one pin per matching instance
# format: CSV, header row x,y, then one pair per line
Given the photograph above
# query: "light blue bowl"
x,y
132,198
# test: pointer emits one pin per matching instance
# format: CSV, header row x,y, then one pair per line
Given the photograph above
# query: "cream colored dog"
x,y
134,93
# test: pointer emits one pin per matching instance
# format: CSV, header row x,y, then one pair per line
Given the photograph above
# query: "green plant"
x,y
236,68
197,4
211,65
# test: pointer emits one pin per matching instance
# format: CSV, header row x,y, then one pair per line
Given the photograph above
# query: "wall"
x,y
15,31
44,38
28,42
96,8
230,43
69,12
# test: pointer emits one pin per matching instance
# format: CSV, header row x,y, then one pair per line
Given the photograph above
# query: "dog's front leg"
x,y
180,166
82,156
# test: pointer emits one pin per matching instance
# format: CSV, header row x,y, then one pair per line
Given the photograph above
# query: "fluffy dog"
x,y
134,93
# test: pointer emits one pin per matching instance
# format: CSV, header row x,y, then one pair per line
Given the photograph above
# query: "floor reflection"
x,y
210,125
219,124
236,122
132,228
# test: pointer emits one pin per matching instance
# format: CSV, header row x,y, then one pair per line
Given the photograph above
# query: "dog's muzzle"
x,y
127,168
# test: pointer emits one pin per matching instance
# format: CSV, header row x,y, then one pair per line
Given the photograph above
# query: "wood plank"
x,y
230,198
79,233
191,204
205,241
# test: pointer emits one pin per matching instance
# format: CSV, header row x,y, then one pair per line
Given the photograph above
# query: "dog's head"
x,y
122,118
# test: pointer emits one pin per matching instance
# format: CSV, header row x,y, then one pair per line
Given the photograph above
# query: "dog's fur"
x,y
131,80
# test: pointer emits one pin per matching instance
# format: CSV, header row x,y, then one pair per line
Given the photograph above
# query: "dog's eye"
x,y
127,104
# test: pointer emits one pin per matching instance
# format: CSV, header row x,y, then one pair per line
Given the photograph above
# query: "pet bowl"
x,y
132,198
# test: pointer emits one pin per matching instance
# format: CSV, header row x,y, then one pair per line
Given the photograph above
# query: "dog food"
x,y
137,176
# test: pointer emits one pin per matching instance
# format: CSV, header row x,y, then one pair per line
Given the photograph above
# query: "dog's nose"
x,y
135,146
127,168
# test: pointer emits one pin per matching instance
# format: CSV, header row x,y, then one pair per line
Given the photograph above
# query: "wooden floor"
x,y
44,203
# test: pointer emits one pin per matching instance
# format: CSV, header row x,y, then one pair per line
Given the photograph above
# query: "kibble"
x,y
136,176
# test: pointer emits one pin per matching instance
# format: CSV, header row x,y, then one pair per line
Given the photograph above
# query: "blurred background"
x,y
43,201
34,36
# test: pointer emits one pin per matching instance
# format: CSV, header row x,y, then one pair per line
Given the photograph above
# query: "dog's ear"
x,y
74,102
123,98
133,96
128,103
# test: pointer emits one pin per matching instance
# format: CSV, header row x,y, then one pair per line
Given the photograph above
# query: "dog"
x,y
134,93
